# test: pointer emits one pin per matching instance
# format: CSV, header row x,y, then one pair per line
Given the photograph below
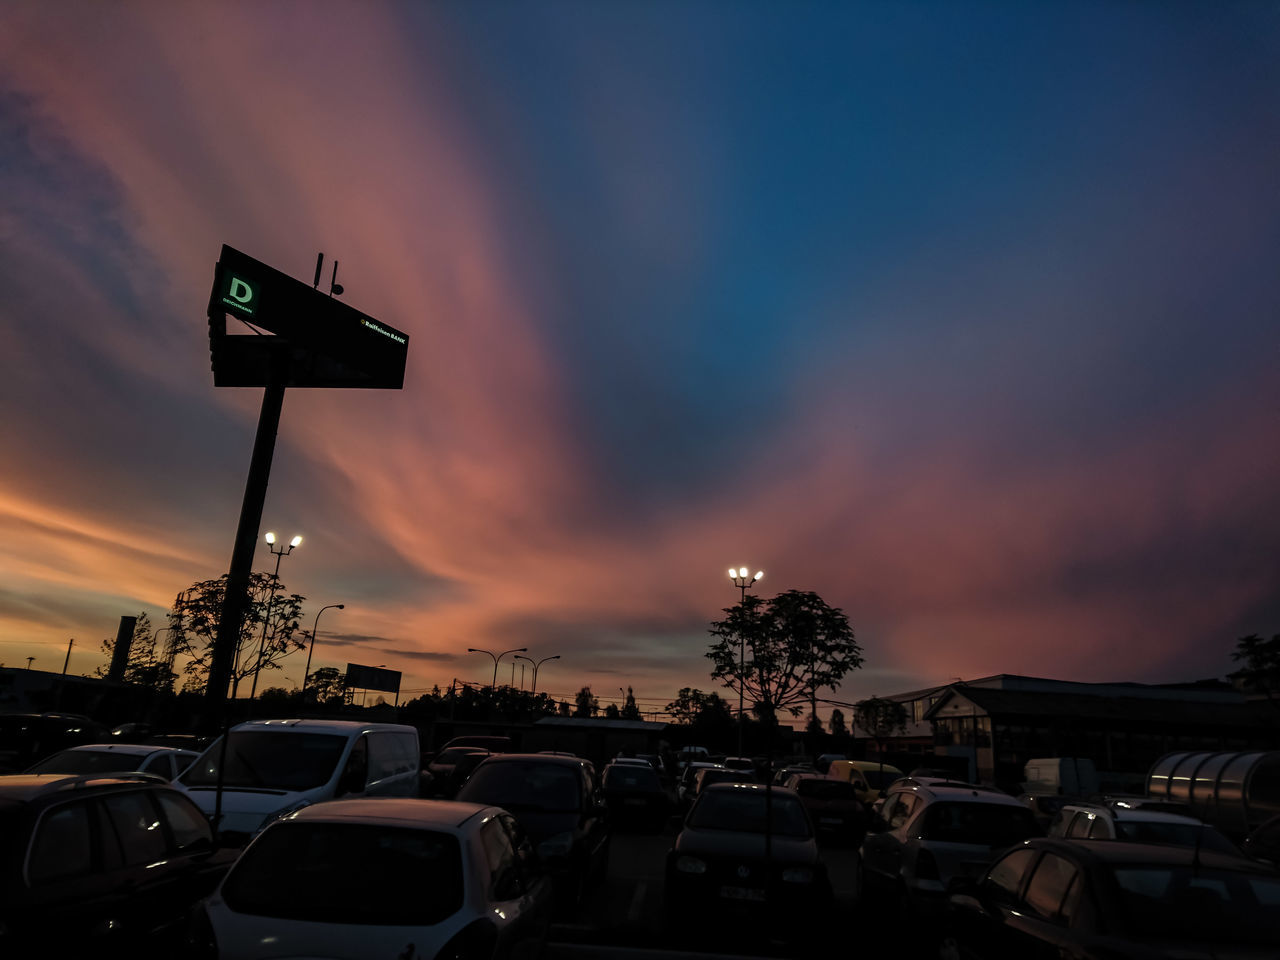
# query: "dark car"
x,y
1096,899
28,737
833,807
558,803
450,768
635,797
726,872
1264,843
93,866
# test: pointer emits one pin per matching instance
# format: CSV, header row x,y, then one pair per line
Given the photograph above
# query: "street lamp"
x,y
306,674
262,642
741,581
533,689
494,685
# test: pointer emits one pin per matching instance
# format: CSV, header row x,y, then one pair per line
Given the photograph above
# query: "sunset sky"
x,y
964,315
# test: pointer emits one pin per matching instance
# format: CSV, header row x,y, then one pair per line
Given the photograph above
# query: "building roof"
x,y
1093,706
599,723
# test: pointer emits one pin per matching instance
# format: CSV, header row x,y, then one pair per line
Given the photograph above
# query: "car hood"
x,y
733,843
243,811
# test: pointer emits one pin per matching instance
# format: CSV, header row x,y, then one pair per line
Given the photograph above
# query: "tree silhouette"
x,y
197,610
795,645
629,709
148,664
836,724
586,704
881,719
1261,670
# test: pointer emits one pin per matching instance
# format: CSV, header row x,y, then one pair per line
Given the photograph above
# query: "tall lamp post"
x,y
536,664
306,674
742,581
494,685
262,641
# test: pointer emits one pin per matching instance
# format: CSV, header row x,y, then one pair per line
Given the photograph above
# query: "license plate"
x,y
741,893
633,802
830,821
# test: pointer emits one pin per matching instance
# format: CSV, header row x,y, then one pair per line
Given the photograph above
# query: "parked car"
x,y
1100,900
930,834
719,876
557,802
708,775
100,865
688,777
381,877
1118,820
273,767
1264,843
870,778
824,761
28,737
1044,806
450,768
104,758
493,744
635,796
833,806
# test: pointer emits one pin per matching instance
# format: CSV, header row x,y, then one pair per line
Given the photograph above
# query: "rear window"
x,y
87,761
826,789
525,786
624,777
984,824
348,873
1177,834
744,811
1200,906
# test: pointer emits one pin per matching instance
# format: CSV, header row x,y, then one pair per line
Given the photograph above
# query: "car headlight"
x,y
561,845
687,864
281,814
797,875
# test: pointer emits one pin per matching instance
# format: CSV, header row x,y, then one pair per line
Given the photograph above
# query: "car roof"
x,y
725,786
547,758
957,793
1133,814
127,749
398,811
322,726
1126,852
24,787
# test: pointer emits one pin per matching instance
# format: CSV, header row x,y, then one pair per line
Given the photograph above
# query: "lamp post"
x,y
494,685
533,689
742,581
262,641
306,674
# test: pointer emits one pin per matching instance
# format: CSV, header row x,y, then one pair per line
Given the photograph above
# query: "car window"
x,y
1004,880
134,823
988,824
62,846
282,760
518,785
620,777
1080,825
187,825
1058,825
1050,882
504,876
86,761
900,812
1100,829
348,873
1180,904
744,810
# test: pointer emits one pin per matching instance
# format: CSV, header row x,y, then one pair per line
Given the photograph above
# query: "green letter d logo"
x,y
240,290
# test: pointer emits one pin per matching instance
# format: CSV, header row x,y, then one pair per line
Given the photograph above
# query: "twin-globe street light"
x,y
742,581
262,642
536,665
494,685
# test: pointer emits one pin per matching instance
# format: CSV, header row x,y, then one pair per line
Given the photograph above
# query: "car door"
x,y
508,890
67,885
882,850
981,920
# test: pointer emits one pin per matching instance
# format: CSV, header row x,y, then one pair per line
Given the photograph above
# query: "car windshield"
x,y
348,873
986,824
629,777
525,786
275,760
88,761
1179,834
826,789
744,811
1194,904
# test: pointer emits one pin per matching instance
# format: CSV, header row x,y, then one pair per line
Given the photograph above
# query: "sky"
x,y
962,315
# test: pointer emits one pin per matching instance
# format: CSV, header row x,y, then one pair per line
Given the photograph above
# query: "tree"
x,y
328,684
780,652
629,709
147,665
1261,670
880,718
587,705
195,617
611,711
836,724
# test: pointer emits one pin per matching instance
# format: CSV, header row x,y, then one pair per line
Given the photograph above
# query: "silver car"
x,y
382,877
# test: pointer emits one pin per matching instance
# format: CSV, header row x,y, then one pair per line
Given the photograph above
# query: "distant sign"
x,y
360,677
319,340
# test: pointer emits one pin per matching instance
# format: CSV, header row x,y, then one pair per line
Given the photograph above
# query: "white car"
x,y
1125,819
106,758
381,877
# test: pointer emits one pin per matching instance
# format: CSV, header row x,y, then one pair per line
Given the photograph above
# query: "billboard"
x,y
360,677
319,340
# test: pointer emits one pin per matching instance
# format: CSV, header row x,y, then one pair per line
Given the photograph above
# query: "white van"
x,y
274,767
